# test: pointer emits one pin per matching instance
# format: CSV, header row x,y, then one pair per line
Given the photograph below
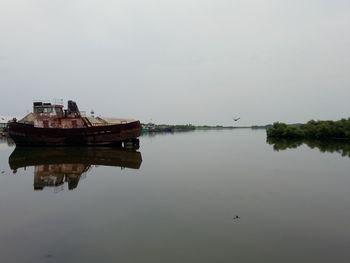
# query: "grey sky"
x,y
183,61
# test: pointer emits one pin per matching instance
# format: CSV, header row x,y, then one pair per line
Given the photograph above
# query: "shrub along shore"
x,y
317,130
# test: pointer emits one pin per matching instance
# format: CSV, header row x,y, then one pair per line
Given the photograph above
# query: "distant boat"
x,y
51,125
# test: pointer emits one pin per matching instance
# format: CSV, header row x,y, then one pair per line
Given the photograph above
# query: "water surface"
x,y
203,196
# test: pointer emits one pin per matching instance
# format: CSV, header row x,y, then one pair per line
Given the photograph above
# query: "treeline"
x,y
186,127
316,130
162,128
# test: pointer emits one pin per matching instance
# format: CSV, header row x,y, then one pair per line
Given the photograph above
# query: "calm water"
x,y
213,196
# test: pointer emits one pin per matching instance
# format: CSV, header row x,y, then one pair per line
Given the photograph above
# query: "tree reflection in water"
x,y
7,140
341,147
55,166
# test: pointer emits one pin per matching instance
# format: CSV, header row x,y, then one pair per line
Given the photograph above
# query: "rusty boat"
x,y
51,125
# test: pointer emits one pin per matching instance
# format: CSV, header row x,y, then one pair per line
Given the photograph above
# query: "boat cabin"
x,y
48,108
56,109
47,115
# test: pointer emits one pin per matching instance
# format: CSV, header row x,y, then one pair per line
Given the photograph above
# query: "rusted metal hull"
x,y
28,135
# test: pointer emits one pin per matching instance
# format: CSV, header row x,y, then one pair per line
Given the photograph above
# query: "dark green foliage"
x,y
282,130
188,127
163,128
317,130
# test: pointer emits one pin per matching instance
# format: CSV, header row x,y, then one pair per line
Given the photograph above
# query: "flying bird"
x,y
236,119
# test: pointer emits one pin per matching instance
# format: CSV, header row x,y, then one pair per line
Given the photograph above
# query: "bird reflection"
x,y
236,218
53,167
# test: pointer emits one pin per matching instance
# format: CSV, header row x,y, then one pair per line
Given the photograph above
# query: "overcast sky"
x,y
183,61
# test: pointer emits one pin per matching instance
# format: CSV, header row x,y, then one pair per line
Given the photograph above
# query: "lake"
x,y
201,196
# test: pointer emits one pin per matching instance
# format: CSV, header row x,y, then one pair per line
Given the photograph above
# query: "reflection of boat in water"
x,y
54,166
56,174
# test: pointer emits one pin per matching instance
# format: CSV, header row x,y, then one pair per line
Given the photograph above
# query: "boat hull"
x,y
28,135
